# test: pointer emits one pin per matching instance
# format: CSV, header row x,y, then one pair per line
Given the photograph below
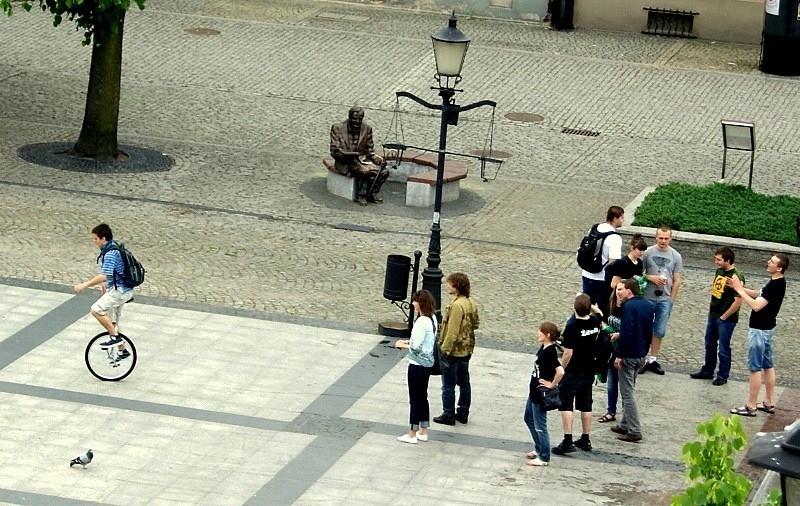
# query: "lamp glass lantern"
x,y
449,49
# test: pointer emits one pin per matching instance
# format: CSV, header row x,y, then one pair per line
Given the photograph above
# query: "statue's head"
x,y
355,117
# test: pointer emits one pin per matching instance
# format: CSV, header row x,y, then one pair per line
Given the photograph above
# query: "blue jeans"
x,y
663,308
612,390
536,420
718,332
456,373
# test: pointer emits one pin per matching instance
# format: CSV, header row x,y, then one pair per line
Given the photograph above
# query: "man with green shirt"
x,y
723,315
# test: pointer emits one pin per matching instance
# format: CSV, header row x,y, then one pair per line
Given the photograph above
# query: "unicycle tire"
x,y
100,362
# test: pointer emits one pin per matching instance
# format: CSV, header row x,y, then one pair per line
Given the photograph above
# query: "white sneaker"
x,y
422,437
405,439
537,462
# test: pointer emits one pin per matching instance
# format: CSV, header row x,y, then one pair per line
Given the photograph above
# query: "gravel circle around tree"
x,y
55,155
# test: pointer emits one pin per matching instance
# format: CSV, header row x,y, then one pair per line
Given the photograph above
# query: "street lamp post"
x,y
449,49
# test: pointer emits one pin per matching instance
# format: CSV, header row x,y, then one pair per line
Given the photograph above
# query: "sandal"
x,y
744,411
766,408
608,417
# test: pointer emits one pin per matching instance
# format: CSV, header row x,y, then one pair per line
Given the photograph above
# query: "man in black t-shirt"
x,y
580,334
763,320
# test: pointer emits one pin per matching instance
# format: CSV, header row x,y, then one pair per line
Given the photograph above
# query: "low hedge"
x,y
721,209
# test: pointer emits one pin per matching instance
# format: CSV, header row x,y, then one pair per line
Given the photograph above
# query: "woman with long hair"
x,y
421,357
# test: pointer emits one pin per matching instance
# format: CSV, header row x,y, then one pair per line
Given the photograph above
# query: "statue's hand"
x,y
377,159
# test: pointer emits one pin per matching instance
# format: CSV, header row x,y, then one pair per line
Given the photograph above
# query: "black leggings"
x,y
418,377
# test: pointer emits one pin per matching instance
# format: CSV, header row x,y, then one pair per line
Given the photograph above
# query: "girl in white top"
x,y
421,357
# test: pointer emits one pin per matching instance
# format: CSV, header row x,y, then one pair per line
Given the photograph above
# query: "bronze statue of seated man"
x,y
353,151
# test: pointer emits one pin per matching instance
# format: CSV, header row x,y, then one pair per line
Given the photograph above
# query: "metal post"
x,y
750,181
724,156
432,275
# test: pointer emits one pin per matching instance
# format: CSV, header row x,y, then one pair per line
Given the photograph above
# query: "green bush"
x,y
709,466
721,209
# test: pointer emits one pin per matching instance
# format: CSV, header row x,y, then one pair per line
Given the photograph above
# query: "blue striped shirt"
x,y
112,263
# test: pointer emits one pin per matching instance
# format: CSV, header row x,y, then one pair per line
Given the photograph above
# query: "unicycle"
x,y
109,364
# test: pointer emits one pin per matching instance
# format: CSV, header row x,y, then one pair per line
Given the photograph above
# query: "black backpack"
x,y
590,251
132,271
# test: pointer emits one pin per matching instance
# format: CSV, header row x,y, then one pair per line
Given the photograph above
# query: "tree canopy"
x,y
91,16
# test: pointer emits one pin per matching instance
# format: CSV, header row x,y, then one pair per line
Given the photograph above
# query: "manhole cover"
x,y
201,31
491,154
526,117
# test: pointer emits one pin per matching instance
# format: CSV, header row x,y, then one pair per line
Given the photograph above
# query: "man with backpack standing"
x,y
601,247
112,281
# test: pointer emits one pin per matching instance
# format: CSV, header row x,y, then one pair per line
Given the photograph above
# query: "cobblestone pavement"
x,y
243,218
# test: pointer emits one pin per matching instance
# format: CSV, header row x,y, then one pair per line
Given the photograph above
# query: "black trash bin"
x,y
395,286
780,39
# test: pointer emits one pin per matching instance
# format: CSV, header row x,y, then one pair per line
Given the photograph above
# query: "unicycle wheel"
x,y
107,364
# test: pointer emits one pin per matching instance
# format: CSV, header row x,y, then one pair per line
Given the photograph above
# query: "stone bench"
x,y
420,188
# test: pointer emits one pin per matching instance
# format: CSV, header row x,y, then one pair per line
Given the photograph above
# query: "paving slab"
x,y
217,413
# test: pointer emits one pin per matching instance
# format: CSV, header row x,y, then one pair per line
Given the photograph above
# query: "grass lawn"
x,y
721,209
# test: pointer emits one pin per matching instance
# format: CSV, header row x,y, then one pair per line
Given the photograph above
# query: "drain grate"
x,y
578,131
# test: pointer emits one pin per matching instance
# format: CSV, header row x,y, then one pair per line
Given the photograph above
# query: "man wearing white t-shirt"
x,y
595,284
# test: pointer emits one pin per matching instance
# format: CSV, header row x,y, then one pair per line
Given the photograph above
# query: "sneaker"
x,y
445,419
123,355
422,437
462,417
619,430
361,201
701,375
584,444
112,341
563,448
656,368
537,462
405,439
719,382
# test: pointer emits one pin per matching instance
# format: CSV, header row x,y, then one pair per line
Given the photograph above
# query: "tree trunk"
x,y
98,137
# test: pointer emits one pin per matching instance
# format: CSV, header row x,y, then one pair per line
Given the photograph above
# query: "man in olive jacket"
x,y
457,340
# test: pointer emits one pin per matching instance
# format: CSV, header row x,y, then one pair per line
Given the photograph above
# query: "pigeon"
x,y
82,460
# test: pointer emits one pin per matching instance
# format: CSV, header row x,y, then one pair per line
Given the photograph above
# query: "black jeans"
x,y
420,413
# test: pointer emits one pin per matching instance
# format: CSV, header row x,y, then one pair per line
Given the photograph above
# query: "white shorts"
x,y
111,302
